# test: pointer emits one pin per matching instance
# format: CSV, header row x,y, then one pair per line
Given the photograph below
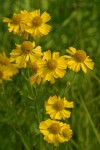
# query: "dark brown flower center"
x,y
37,21
5,61
67,132
59,105
80,56
27,47
16,19
52,64
55,128
34,67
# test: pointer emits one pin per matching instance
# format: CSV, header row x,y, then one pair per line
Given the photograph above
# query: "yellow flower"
x,y
5,61
56,107
52,66
51,130
35,78
66,133
78,59
37,26
25,53
18,22
5,73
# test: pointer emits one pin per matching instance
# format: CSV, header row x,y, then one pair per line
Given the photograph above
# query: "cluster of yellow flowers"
x,y
29,24
55,131
45,66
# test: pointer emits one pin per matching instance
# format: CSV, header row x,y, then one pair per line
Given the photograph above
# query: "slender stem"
x,y
68,85
26,146
96,77
11,106
90,119
5,97
75,144
39,4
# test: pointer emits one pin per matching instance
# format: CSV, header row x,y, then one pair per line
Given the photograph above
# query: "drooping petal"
x,y
45,17
84,68
45,29
89,64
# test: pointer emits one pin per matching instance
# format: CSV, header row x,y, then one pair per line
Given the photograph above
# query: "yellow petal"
x,y
84,68
77,67
6,19
44,28
45,17
55,55
89,64
47,55
35,13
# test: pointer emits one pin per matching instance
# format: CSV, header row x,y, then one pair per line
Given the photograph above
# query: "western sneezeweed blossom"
x,y
52,66
78,60
17,24
5,61
55,131
24,53
37,26
56,107
5,73
51,130
35,78
66,133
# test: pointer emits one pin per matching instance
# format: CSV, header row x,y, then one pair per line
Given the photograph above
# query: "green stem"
x,y
97,78
11,106
90,119
26,146
39,4
7,104
68,86
75,144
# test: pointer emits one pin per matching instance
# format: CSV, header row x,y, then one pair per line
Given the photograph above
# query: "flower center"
x,y
17,19
37,21
1,74
59,105
5,61
66,132
80,56
55,128
52,64
27,47
34,67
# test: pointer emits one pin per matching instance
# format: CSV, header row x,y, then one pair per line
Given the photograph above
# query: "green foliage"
x,y
74,23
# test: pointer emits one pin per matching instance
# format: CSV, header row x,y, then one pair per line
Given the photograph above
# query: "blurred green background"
x,y
74,23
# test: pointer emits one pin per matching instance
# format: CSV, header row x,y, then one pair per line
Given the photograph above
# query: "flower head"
x,y
56,107
35,78
51,130
37,26
52,66
55,131
66,132
5,73
24,53
17,24
78,59
5,61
